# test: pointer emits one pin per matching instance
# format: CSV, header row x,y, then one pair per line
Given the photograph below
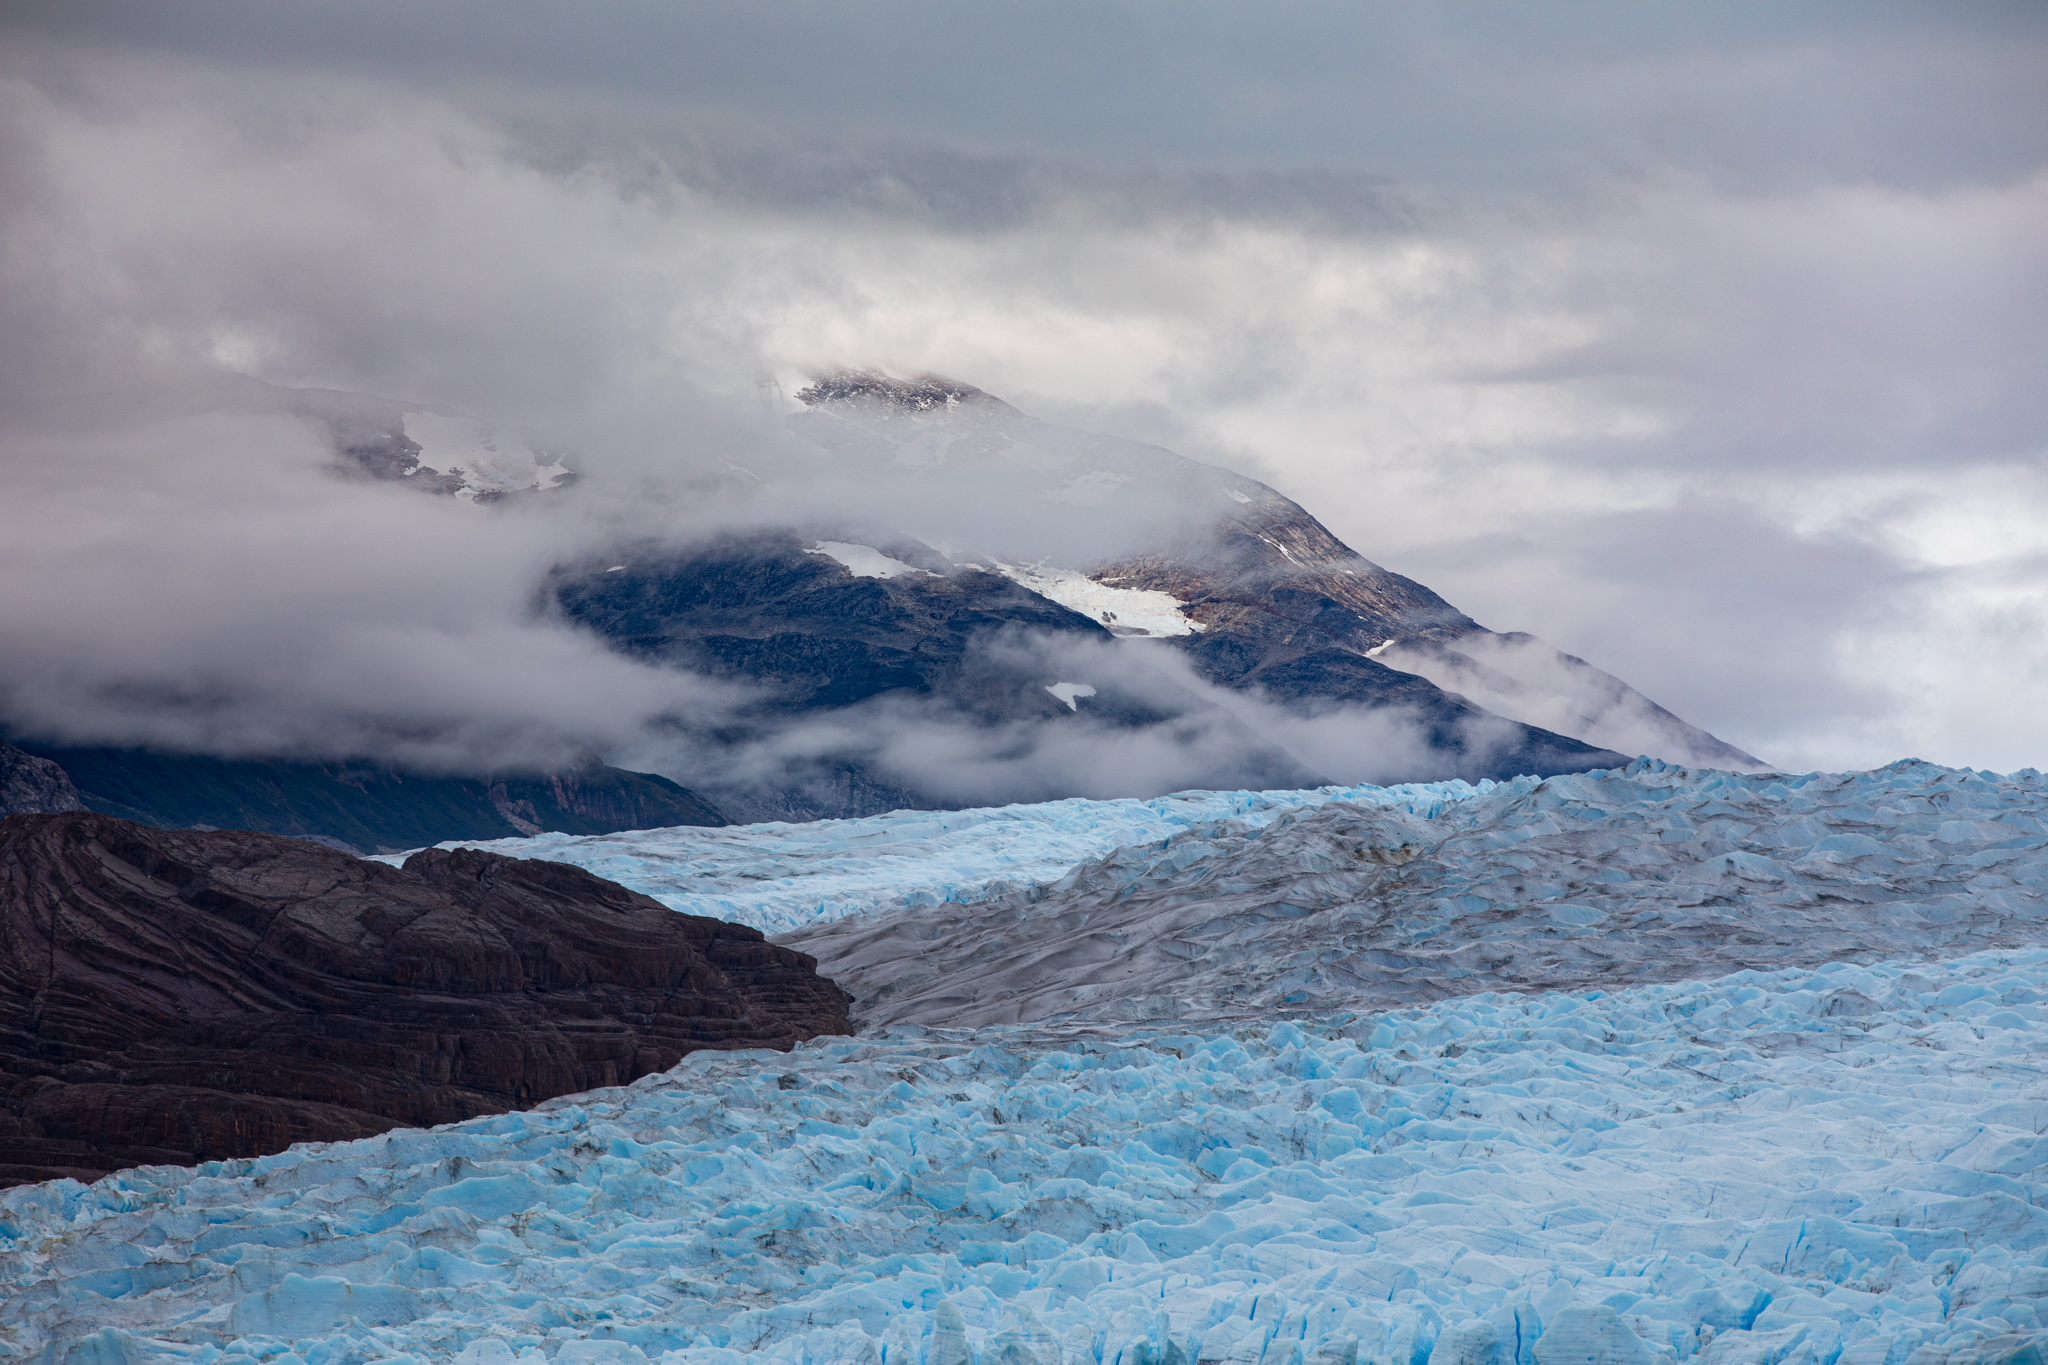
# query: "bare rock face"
x,y
175,996
34,786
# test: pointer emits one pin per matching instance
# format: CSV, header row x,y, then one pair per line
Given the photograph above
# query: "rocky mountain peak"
x,y
877,389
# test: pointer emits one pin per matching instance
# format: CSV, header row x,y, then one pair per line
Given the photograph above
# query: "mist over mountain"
x,y
886,591
903,591
1748,421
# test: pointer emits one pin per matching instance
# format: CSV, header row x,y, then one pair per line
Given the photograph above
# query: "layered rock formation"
x,y
181,996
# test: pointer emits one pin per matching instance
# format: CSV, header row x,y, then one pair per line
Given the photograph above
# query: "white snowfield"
x,y
1124,611
865,561
1648,873
1833,1167
778,876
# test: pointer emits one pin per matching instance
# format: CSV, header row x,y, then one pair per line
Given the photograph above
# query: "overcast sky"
x,y
1706,342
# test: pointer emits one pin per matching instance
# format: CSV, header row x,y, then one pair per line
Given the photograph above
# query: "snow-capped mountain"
x,y
427,448
1008,583
1254,588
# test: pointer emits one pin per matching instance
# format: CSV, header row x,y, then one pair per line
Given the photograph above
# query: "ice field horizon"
x,y
1649,1064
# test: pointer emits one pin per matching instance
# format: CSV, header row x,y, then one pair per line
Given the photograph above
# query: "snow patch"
x,y
486,461
864,561
1125,611
1070,693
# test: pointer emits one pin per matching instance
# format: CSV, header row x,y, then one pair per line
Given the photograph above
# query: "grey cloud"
x,y
1708,608
1209,738
199,583
1573,321
1474,94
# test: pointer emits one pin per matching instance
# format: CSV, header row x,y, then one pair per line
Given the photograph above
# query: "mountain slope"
x,y
1278,604
867,644
363,807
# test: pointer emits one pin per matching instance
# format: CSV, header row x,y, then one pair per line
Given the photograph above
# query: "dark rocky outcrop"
x,y
34,786
764,608
180,996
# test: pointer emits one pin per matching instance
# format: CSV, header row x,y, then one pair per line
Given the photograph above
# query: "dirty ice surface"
x,y
1648,873
1833,1167
779,876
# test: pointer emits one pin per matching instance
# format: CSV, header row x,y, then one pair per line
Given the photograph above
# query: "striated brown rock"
x,y
181,996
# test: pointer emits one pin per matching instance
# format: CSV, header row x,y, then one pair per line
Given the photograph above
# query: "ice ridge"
x,y
779,877
1839,1166
1648,873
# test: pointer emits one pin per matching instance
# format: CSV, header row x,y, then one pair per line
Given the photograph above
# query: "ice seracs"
x,y
778,876
1589,880
1800,1167
1210,905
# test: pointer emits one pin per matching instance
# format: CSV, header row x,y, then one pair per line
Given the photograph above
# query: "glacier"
x,y
780,876
1840,1166
1628,1067
1646,873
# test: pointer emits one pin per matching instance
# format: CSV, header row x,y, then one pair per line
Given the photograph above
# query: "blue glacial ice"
x,y
779,876
1842,1167
1219,1078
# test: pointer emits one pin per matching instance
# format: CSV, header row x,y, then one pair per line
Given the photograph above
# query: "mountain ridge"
x,y
357,806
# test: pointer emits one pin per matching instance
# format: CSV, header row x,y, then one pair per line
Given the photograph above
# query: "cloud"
x,y
1187,734
1482,96
198,583
1704,348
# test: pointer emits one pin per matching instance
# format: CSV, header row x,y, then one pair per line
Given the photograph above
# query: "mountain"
x,y
430,449
993,568
1253,588
360,807
924,597
890,639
